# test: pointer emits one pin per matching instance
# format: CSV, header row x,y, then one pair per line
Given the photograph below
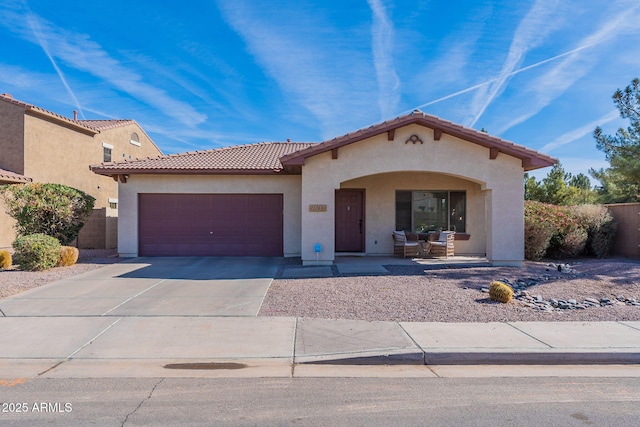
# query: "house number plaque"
x,y
317,208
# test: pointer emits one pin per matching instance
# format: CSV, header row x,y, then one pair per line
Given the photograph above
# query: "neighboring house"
x,y
416,172
47,147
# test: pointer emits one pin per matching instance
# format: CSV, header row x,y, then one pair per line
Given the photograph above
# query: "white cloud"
x,y
578,133
531,32
321,71
513,73
382,43
553,83
81,53
35,27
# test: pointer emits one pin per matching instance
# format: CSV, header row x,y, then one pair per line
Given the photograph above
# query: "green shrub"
x,y
68,256
542,229
5,259
536,239
600,226
567,231
573,243
37,251
52,209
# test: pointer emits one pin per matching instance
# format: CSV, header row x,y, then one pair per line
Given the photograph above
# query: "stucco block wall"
x,y
627,242
287,185
500,180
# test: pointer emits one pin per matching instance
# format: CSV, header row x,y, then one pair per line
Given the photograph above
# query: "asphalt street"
x,y
324,401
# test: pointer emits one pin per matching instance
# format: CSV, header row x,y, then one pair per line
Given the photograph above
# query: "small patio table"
x,y
425,248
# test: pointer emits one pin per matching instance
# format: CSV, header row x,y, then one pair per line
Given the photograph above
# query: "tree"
x,y
580,181
621,181
533,189
53,209
614,188
560,188
555,185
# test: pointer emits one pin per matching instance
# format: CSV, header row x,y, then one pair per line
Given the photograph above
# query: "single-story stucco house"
x,y
347,195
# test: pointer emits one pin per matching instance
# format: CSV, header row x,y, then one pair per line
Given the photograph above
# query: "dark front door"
x,y
349,221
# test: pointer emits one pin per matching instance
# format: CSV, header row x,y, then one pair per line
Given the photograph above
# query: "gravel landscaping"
x,y
415,294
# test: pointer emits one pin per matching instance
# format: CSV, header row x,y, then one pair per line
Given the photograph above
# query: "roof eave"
x,y
37,112
11,180
530,159
131,171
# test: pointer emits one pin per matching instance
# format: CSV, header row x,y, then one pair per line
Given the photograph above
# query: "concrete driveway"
x,y
174,286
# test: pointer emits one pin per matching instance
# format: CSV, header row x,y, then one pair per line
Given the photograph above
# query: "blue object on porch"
x,y
317,248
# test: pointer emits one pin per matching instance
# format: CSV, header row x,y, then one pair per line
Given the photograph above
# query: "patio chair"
x,y
401,246
444,245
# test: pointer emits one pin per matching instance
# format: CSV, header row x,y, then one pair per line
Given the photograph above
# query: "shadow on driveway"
x,y
204,268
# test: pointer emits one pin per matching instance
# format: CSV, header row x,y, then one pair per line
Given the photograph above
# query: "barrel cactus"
x,y
501,292
5,259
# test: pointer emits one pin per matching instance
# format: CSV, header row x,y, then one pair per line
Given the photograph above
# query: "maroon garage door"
x,y
210,224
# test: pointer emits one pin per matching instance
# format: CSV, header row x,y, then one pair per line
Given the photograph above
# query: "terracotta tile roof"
x,y
92,126
261,158
8,177
531,159
101,125
42,112
273,157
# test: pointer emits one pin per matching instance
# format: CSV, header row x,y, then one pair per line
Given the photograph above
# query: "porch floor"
x,y
358,264
394,260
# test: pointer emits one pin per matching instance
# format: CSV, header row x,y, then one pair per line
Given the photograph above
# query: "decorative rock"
x,y
537,302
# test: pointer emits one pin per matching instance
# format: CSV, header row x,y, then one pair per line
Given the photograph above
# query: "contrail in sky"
x,y
513,73
43,44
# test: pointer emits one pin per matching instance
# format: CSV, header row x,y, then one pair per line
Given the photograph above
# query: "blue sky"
x,y
205,74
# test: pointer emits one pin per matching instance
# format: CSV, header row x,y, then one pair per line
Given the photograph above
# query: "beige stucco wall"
x,y
498,180
11,137
287,185
48,151
380,208
54,153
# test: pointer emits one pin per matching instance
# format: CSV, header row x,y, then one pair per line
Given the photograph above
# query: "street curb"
x,y
489,358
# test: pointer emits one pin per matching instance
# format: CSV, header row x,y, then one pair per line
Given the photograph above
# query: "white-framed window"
x,y
113,203
107,150
135,140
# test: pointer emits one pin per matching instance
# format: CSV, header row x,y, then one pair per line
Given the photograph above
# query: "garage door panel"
x,y
211,224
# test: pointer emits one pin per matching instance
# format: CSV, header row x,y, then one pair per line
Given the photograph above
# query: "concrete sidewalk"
x,y
114,346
